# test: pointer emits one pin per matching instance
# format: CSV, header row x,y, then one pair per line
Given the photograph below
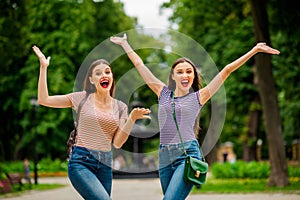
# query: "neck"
x,y
179,93
102,97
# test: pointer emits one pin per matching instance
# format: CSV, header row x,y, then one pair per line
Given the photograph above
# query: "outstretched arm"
x,y
207,92
57,101
154,83
125,127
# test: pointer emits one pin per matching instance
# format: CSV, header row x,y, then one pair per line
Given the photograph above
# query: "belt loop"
x,y
99,155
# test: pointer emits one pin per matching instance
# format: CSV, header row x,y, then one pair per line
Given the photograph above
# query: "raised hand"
x,y
140,113
44,62
119,40
262,47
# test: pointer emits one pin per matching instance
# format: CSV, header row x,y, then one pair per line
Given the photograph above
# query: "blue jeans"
x,y
171,168
90,173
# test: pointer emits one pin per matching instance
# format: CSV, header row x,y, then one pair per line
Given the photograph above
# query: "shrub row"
x,y
252,170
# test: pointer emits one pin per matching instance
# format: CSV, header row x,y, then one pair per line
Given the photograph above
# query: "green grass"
x,y
213,185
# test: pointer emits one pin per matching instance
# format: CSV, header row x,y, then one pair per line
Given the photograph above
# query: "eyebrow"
x,y
107,68
189,68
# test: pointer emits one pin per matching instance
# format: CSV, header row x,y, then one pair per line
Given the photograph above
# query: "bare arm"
x,y
57,101
125,127
154,83
207,92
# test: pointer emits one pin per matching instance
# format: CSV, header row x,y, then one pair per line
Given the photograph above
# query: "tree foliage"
x,y
65,30
225,30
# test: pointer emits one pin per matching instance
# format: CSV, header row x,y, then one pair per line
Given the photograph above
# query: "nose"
x,y
103,74
185,74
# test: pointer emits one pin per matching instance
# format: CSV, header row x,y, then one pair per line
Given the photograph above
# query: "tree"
x,y
65,30
13,50
221,27
267,91
285,30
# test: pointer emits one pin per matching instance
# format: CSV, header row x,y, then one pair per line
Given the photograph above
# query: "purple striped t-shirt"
x,y
187,109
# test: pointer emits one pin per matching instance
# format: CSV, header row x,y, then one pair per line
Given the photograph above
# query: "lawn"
x,y
213,185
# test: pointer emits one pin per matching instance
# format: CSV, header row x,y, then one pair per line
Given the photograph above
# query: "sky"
x,y
147,12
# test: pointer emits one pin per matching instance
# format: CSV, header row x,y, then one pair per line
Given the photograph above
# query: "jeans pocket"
x,y
79,156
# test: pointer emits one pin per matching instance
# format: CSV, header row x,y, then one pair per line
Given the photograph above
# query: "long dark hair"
x,y
87,85
196,85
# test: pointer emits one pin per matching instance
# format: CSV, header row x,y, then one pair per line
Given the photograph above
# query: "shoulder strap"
x,y
79,108
174,117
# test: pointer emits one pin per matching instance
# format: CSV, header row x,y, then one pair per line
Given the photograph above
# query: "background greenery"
x,y
68,30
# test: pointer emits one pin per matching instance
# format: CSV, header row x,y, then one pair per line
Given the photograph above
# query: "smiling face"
x,y
183,75
102,78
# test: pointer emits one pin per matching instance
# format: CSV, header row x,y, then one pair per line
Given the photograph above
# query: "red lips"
x,y
104,83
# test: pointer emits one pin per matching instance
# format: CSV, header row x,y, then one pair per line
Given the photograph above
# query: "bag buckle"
x,y
197,174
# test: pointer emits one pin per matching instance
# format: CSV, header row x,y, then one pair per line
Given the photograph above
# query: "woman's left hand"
x,y
262,47
140,113
119,40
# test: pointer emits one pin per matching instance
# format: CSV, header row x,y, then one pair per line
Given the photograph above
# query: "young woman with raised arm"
x,y
103,121
185,83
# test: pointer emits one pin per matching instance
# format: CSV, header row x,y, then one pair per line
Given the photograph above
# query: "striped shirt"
x,y
187,109
96,128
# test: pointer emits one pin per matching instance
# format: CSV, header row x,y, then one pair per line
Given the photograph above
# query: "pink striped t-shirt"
x,y
96,128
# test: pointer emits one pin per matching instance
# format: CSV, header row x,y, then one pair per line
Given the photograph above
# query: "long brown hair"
x,y
87,85
196,85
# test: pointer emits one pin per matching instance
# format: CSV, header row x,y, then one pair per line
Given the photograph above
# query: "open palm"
x,y
43,60
119,40
262,47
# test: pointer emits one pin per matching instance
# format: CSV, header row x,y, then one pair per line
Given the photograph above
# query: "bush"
x,y
44,165
241,169
48,165
294,171
252,170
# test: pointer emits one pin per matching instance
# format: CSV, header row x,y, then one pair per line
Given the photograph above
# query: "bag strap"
x,y
178,131
79,109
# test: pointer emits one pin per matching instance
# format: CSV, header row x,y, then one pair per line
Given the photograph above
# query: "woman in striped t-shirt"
x,y
184,82
103,121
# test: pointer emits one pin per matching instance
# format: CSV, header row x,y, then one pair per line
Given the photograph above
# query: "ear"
x,y
91,81
172,76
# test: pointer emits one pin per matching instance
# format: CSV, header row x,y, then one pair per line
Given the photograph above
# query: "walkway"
x,y
137,189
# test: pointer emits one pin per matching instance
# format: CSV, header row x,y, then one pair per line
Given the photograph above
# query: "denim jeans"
x,y
171,168
90,173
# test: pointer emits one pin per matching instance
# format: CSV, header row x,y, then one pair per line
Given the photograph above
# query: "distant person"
x,y
26,166
103,122
225,155
190,97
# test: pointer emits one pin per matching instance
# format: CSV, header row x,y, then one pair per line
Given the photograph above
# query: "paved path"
x,y
137,189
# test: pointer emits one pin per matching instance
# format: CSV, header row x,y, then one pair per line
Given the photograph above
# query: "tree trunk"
x,y
249,149
266,86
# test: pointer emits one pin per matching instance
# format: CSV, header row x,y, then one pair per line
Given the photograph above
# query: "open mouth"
x,y
185,83
104,83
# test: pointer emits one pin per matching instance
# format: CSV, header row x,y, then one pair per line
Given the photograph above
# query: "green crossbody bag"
x,y
195,170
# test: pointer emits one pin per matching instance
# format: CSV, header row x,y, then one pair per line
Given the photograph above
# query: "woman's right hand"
x,y
140,113
43,61
119,40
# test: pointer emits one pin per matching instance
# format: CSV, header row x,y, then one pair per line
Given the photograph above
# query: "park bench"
x,y
15,179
